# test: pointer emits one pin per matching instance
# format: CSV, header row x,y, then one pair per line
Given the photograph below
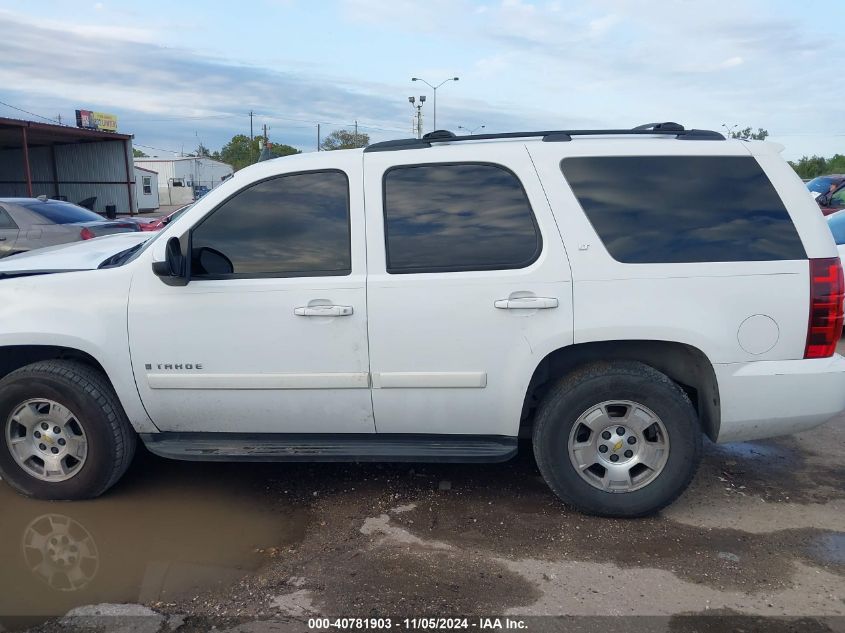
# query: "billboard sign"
x,y
96,121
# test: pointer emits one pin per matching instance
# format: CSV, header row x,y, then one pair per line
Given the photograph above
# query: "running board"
x,y
353,447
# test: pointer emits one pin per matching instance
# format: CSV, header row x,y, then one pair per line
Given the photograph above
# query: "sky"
x,y
181,73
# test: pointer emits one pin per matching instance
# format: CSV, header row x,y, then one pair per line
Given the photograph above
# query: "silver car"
x,y
30,223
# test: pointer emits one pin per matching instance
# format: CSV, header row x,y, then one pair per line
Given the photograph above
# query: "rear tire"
x,y
63,433
617,439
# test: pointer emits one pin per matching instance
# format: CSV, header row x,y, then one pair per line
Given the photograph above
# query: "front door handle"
x,y
526,303
2,239
330,310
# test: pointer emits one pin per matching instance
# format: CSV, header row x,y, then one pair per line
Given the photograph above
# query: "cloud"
x,y
522,65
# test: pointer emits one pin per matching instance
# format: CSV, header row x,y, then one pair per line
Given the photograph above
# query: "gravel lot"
x,y
760,533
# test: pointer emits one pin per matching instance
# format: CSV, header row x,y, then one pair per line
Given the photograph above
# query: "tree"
x,y
136,153
759,135
277,150
202,151
344,139
818,166
241,151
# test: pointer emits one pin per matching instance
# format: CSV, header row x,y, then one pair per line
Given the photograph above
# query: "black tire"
x,y
599,382
88,394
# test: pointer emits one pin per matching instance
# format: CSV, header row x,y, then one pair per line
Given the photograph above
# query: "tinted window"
x,y
59,212
836,222
452,217
289,226
670,209
6,221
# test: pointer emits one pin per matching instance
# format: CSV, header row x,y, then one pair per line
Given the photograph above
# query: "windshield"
x,y
59,212
821,184
124,257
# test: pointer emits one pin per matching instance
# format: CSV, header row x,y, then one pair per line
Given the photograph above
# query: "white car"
x,y
614,295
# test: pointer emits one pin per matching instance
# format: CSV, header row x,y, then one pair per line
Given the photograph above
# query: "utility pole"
x,y
251,114
355,138
265,134
59,118
318,137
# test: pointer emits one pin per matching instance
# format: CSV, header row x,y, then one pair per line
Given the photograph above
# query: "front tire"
x,y
63,433
617,439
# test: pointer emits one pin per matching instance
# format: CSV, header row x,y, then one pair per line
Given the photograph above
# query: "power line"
x,y
184,118
158,149
28,112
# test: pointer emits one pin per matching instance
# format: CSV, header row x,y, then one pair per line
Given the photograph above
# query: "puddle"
x,y
828,549
169,529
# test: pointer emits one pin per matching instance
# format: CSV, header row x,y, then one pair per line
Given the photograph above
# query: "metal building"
x,y
68,163
181,179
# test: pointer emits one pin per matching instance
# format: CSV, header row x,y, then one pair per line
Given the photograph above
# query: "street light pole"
x,y
434,89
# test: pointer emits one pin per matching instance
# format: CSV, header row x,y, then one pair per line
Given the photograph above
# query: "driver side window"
x,y
296,225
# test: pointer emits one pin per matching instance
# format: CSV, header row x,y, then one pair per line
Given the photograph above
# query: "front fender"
x,y
84,311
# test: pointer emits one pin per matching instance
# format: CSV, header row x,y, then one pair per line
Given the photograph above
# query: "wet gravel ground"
x,y
760,534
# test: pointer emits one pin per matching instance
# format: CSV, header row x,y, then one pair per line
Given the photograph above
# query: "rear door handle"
x,y
330,310
2,239
526,303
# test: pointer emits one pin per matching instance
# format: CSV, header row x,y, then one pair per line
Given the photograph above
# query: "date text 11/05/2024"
x,y
425,624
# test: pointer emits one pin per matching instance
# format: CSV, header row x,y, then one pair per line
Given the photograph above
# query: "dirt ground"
x,y
760,534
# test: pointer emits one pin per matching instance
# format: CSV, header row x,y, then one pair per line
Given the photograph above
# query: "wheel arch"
x,y
686,365
14,357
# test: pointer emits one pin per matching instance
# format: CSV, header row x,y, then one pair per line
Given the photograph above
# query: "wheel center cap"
x,y
617,446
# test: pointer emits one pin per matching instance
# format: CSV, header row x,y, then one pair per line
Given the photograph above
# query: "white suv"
x,y
612,294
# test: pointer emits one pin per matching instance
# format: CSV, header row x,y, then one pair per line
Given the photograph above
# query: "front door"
x,y
270,334
469,288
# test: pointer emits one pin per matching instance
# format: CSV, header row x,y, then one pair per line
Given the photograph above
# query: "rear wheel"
x,y
617,439
64,433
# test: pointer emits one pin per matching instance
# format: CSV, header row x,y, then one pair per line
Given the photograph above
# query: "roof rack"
x,y
549,136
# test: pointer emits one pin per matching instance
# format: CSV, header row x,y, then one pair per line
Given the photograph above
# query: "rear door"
x,y
468,287
8,233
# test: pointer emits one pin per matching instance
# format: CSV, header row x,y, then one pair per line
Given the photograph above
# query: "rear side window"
x,y
457,217
6,221
674,209
58,212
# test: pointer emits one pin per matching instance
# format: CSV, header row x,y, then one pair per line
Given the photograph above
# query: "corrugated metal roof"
x,y
50,134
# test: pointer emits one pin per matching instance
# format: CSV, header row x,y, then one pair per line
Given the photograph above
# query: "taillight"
x,y
86,233
827,291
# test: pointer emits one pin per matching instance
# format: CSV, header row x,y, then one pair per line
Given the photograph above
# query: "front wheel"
x,y
64,434
617,439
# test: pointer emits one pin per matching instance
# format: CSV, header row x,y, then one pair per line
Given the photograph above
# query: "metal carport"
x,y
66,162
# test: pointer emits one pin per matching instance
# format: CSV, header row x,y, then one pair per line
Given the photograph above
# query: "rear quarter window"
x,y
58,212
675,209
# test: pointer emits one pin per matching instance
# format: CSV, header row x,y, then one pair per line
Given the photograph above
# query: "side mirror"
x,y
213,262
172,270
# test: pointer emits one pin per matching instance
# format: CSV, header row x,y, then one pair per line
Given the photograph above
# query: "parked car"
x,y
31,223
433,300
156,224
828,192
836,222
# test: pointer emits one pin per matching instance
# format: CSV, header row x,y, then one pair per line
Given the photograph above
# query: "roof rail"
x,y
549,136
